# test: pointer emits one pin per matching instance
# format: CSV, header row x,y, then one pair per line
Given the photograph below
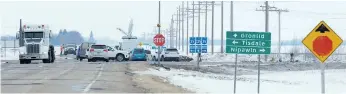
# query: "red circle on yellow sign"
x,y
322,45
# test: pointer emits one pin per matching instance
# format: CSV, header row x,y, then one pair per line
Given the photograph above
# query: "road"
x,y
72,76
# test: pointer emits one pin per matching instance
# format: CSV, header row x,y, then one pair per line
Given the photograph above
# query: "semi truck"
x,y
36,44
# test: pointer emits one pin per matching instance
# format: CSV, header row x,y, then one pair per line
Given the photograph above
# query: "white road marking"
x,y
86,89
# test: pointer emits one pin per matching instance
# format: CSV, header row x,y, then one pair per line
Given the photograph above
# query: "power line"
x,y
279,11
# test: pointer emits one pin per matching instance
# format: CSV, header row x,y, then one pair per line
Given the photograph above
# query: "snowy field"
x,y
290,82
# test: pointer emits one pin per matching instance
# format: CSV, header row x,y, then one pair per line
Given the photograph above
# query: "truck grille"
x,y
33,48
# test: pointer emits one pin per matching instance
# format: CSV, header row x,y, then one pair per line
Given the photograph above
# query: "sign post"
x,y
198,45
322,41
159,40
242,42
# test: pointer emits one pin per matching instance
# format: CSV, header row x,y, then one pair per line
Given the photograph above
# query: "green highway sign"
x,y
252,43
248,35
240,42
247,50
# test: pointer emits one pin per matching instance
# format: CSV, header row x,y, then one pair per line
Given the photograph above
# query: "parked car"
x,y
138,54
116,54
170,54
97,52
82,49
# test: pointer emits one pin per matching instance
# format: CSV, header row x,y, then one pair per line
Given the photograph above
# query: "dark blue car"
x,y
138,54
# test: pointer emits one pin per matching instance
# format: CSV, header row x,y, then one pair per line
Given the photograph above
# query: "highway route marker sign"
x,y
198,45
322,41
243,42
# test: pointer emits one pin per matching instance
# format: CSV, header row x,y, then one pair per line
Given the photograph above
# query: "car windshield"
x,y
33,35
98,46
138,51
172,50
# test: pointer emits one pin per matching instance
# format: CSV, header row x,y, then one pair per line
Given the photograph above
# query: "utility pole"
x,y
179,28
171,32
193,18
279,11
222,27
182,32
159,26
199,18
212,30
236,55
206,19
187,28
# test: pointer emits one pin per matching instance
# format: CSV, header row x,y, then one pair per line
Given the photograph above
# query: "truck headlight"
x,y
21,53
44,52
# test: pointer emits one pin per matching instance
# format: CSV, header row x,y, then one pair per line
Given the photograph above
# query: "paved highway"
x,y
72,76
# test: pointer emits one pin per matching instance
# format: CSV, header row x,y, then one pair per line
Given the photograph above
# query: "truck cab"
x,y
36,44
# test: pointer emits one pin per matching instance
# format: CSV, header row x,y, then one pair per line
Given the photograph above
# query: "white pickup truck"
x,y
116,54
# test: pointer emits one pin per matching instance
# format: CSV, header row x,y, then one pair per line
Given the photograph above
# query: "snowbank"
x,y
294,82
13,53
9,54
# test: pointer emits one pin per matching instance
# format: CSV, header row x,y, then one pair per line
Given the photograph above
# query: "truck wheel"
x,y
27,61
51,54
45,60
80,59
120,57
51,59
22,61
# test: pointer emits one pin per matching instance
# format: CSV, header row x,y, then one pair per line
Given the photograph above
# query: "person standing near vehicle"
x,y
61,48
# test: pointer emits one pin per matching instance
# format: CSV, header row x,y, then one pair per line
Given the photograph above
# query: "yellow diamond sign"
x,y
140,43
322,41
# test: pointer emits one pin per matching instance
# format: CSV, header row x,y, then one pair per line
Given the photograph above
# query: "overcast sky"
x,y
103,17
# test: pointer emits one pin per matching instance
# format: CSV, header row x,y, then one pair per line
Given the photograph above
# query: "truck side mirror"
x,y
87,49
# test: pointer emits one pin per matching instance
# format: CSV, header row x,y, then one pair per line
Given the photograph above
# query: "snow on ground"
x,y
291,82
13,53
10,54
222,57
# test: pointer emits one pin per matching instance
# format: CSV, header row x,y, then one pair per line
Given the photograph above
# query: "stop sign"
x,y
159,40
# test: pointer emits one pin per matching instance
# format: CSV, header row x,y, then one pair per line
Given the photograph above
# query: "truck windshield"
x,y
33,34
